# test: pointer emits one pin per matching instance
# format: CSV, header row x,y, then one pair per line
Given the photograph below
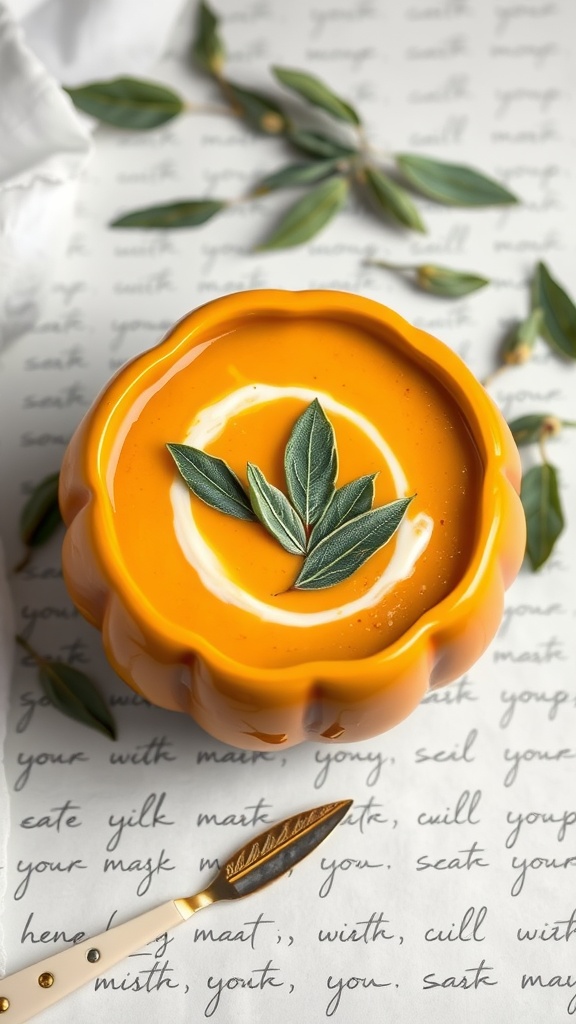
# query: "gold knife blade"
x,y
260,861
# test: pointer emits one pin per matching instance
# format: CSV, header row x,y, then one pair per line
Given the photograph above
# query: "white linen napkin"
x,y
43,149
44,142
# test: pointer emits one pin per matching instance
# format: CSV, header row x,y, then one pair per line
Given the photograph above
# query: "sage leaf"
x,y
317,144
275,512
188,213
347,502
450,284
391,199
311,463
128,103
452,184
295,174
257,109
558,312
534,427
437,280
309,215
544,517
208,48
72,692
521,339
212,480
317,93
40,516
342,552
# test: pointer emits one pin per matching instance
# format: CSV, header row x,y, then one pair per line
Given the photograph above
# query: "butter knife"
x,y
260,861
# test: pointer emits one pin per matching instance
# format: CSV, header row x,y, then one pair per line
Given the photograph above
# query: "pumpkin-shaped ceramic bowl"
x,y
196,608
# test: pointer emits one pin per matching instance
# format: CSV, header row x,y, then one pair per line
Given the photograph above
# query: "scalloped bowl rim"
x,y
478,410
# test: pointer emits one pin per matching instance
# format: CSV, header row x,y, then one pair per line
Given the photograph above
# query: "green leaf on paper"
x,y
295,174
342,552
275,512
347,502
452,184
391,199
208,48
40,515
518,346
257,109
437,280
319,145
311,463
188,213
309,215
72,692
534,427
317,93
544,518
128,102
558,312
451,284
212,480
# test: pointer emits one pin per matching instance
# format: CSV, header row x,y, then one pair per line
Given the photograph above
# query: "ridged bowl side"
x,y
343,701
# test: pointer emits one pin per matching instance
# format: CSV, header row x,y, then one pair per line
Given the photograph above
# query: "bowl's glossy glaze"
x,y
339,700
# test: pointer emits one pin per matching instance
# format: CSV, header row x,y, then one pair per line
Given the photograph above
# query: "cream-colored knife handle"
x,y
30,991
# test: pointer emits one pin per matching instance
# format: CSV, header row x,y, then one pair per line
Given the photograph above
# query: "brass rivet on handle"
x,y
93,956
46,980
4,1004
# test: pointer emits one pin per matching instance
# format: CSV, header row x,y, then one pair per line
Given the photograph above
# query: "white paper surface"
x,y
448,894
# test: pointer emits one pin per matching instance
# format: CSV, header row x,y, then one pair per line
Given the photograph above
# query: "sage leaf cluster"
x,y
336,530
339,158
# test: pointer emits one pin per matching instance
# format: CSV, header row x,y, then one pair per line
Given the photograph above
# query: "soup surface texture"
x,y
237,396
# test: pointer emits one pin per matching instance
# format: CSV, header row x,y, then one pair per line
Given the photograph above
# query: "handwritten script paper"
x,y
448,893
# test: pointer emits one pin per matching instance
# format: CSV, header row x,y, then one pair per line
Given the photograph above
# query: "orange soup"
x,y
237,396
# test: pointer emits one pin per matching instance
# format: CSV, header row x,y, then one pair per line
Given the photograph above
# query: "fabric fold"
x,y
43,151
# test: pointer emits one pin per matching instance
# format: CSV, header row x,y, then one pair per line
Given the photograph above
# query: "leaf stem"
x,y
209,108
543,434
23,561
495,373
40,661
237,200
389,266
366,149
371,152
